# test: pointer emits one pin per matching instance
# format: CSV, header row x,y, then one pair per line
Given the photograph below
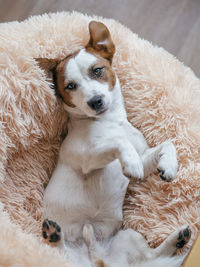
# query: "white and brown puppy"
x,y
86,191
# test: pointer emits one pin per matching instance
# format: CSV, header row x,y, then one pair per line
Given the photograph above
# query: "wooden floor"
x,y
173,24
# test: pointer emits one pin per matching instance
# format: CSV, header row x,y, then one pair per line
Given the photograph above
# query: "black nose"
x,y
96,103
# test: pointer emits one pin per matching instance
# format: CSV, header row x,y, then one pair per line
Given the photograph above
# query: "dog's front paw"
x,y
132,167
167,169
51,231
167,165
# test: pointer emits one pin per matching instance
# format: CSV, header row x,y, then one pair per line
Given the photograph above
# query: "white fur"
x,y
86,192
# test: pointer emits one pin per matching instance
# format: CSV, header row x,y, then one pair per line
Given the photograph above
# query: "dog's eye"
x,y
97,71
71,86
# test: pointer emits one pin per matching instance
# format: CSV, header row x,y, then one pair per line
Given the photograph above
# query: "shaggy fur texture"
x,y
162,99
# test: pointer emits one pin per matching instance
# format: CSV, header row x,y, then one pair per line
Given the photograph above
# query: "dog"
x,y
102,151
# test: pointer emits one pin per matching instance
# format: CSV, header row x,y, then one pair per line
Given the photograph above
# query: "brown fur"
x,y
104,52
108,75
100,41
47,64
100,263
61,83
58,67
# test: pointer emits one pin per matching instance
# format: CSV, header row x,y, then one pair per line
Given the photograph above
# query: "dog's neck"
x,y
116,111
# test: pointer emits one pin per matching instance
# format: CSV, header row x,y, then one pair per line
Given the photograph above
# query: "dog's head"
x,y
85,79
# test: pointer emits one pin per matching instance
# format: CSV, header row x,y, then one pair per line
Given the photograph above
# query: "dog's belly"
x,y
73,200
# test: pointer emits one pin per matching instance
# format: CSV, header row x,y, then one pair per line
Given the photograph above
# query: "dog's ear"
x,y
47,64
100,40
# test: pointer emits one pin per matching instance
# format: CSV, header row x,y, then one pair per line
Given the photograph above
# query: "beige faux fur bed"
x,y
162,98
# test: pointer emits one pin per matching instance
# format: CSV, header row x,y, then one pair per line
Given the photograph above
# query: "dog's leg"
x,y
127,247
175,241
116,148
96,251
163,158
52,234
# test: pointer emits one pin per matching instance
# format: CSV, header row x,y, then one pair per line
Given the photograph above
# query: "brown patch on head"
x,y
100,41
59,80
107,73
57,67
100,263
101,45
47,64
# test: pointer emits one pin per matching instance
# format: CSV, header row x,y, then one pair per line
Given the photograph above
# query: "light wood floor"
x,y
172,24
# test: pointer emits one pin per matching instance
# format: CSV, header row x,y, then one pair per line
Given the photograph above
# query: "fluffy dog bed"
x,y
162,99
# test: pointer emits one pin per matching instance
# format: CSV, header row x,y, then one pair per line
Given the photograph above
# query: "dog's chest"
x,y
85,139
76,147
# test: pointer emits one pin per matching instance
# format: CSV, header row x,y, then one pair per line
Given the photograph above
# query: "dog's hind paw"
x,y
183,237
51,231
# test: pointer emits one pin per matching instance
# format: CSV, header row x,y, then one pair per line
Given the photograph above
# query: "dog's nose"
x,y
96,103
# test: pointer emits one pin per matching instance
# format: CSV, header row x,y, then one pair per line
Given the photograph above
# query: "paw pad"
x,y
51,231
163,177
183,237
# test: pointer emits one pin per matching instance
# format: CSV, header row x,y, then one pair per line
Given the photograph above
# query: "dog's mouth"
x,y
99,112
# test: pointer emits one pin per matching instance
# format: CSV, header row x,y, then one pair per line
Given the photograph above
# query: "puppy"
x,y
83,200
